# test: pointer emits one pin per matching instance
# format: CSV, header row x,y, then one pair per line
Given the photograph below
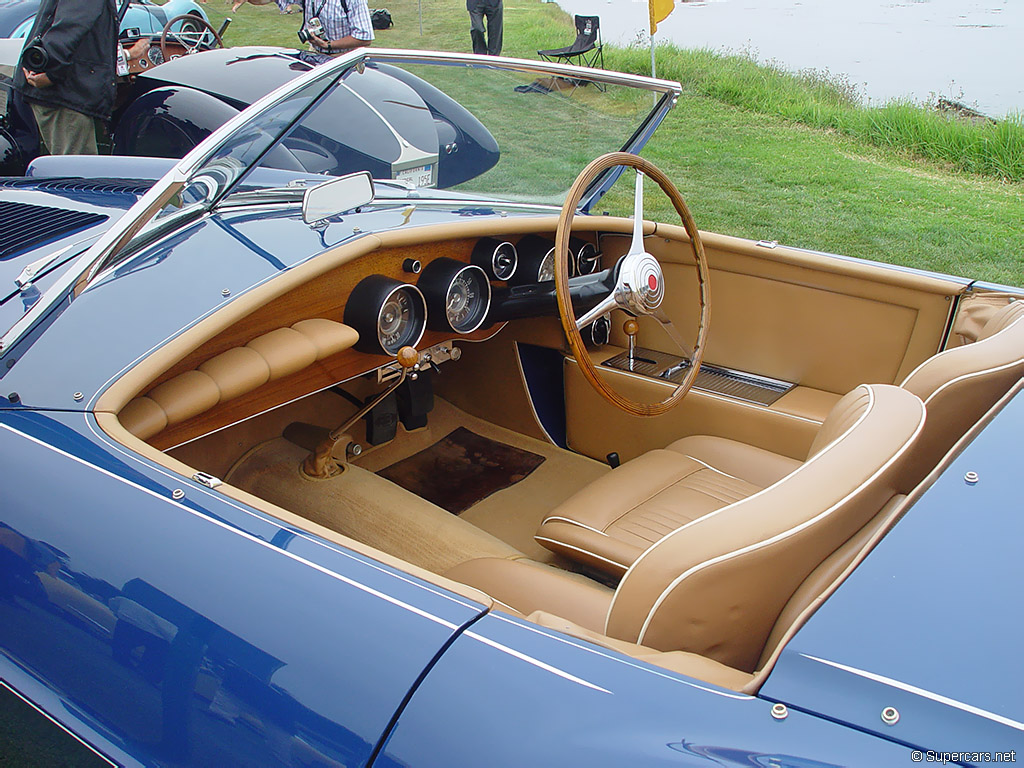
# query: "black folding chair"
x,y
587,50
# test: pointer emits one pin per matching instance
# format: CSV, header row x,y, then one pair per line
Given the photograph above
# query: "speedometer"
x,y
387,314
458,295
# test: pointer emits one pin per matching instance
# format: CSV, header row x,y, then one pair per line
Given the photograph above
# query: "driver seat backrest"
x,y
961,384
716,585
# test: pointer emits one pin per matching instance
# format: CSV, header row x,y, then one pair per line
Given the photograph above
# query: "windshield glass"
x,y
507,131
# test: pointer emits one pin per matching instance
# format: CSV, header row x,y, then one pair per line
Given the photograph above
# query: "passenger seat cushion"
x,y
753,465
610,522
527,586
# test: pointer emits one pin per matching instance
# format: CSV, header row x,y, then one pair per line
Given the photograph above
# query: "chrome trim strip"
x,y
913,689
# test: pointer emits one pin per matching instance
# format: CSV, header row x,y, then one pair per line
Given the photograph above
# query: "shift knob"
x,y
631,327
408,357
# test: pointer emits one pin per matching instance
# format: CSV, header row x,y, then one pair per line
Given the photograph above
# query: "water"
x,y
968,50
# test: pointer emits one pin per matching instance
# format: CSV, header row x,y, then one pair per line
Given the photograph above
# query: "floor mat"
x,y
461,469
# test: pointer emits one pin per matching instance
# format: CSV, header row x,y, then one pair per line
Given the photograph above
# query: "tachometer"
x,y
458,295
387,314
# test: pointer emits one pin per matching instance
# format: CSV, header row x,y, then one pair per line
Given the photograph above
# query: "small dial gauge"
x,y
387,314
396,323
546,270
588,259
458,295
497,258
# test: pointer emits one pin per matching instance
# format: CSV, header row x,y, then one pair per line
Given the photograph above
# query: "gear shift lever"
x,y
319,464
631,328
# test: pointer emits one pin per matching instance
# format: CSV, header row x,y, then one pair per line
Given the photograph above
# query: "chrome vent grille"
x,y
24,226
723,381
133,187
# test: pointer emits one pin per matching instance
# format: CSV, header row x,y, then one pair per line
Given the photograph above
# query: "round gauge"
x,y
546,270
588,260
155,55
387,314
458,295
497,258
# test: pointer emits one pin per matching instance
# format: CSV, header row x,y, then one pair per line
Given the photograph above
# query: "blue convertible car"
x,y
304,467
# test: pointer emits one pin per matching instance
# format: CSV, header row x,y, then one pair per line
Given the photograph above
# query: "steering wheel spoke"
x,y
672,332
639,286
608,303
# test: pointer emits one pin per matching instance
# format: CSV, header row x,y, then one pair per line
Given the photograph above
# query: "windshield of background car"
x,y
518,131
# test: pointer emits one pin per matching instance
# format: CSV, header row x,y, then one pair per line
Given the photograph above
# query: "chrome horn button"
x,y
641,283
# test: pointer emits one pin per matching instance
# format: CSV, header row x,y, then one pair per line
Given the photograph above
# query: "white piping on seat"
x,y
571,522
785,534
925,362
713,469
958,379
580,549
871,402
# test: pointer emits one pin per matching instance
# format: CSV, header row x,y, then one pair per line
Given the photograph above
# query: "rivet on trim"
x,y
226,292
971,477
890,716
78,397
780,711
177,494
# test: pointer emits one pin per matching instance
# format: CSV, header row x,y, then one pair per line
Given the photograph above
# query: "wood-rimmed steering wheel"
x,y
639,283
193,35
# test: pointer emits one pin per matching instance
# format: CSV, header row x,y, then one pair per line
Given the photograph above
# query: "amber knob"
x,y
631,327
408,357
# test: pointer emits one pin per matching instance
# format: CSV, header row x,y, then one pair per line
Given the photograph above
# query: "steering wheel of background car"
x,y
194,34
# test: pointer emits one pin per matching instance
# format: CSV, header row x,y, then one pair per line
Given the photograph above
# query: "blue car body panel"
x,y
540,698
196,628
926,624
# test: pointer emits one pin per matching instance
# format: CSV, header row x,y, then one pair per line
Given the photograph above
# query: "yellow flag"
x,y
659,11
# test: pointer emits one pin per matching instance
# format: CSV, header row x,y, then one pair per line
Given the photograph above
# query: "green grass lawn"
x,y
784,161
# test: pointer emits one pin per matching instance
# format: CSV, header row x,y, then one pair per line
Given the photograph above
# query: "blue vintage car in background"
x,y
313,464
142,18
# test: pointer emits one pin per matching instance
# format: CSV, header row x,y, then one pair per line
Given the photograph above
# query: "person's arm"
x,y
346,43
72,20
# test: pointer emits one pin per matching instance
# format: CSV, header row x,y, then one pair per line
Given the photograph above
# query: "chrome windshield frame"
x,y
91,263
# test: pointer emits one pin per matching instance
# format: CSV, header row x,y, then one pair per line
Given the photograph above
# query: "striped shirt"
x,y
338,22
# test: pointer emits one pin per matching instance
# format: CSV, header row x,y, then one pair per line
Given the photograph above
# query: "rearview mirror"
x,y
336,196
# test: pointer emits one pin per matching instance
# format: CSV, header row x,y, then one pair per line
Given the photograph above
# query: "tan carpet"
x,y
365,507
513,514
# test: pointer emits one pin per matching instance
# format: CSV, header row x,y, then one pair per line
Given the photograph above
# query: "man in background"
x,y
492,9
66,72
346,24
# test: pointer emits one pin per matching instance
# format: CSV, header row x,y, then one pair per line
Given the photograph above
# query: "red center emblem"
x,y
652,282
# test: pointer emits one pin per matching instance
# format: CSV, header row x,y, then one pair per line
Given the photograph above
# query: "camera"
x,y
311,27
34,57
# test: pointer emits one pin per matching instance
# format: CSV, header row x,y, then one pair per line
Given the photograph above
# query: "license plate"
x,y
420,176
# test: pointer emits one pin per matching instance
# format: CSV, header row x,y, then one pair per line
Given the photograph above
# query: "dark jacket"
x,y
80,37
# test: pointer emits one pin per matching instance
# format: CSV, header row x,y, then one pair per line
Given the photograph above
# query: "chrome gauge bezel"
x,y
487,254
502,272
587,259
417,324
364,311
484,285
439,279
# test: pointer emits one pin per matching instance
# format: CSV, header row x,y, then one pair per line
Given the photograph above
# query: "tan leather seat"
x,y
611,522
960,385
716,586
